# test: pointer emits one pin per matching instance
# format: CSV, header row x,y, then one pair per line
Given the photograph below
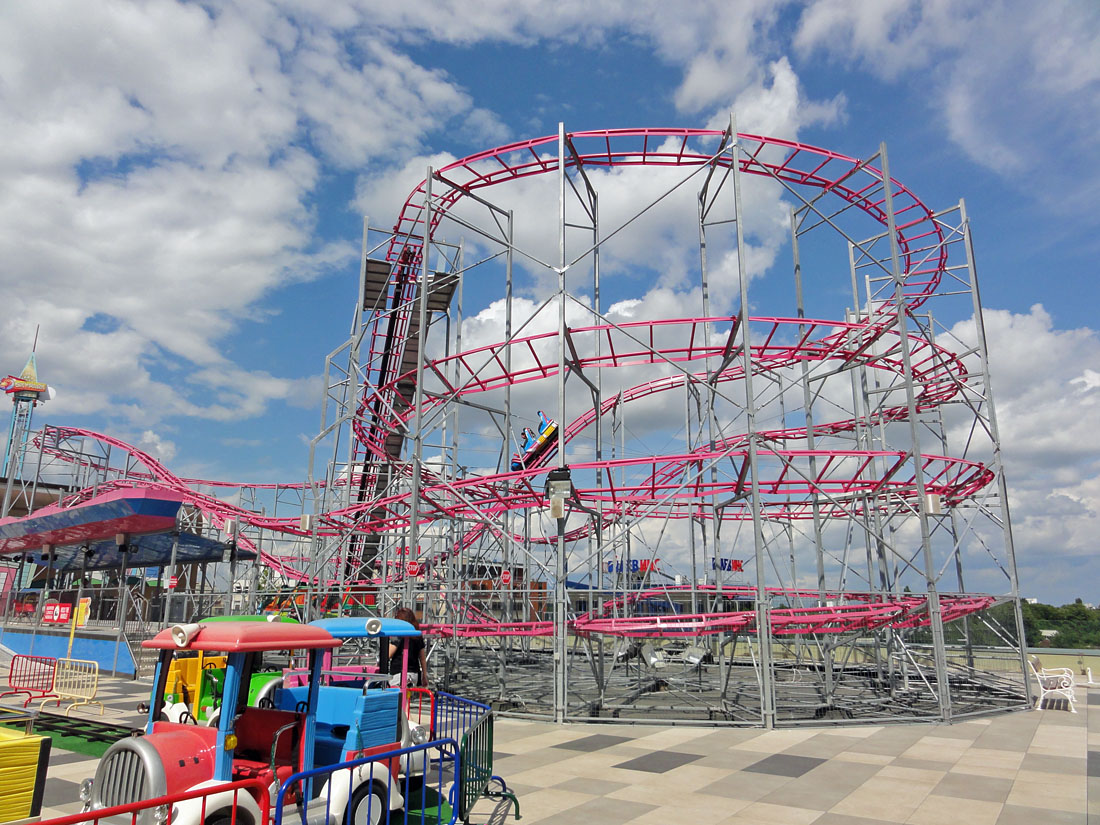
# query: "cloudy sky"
x,y
184,185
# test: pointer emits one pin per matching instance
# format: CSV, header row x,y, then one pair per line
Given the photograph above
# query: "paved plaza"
x,y
1027,768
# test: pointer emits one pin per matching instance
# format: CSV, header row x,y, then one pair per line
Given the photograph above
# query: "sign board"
x,y
506,577
728,565
633,566
413,568
173,582
82,611
56,612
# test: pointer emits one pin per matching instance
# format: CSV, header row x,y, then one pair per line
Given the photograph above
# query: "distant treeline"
x,y
1075,626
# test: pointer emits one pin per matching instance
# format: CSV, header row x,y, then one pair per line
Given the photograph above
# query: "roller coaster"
x,y
851,465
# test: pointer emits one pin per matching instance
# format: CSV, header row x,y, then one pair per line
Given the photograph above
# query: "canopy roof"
x,y
146,517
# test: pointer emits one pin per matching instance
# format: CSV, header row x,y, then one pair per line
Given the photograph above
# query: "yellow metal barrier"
x,y
76,680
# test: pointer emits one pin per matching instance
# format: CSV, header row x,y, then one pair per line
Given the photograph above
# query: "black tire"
x,y
226,818
369,805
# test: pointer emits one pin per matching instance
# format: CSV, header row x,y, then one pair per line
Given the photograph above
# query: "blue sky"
x,y
184,186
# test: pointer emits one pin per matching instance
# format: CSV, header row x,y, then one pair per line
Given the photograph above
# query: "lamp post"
x,y
84,557
559,487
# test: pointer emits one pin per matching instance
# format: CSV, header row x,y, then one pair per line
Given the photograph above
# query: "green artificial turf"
x,y
64,741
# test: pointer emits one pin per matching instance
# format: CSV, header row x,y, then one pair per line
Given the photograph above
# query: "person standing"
x,y
395,646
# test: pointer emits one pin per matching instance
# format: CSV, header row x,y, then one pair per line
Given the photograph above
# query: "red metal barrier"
x,y
420,707
32,675
132,811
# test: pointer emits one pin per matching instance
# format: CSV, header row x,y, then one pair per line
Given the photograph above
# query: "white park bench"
x,y
1052,681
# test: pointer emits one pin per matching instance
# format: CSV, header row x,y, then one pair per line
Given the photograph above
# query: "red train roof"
x,y
233,637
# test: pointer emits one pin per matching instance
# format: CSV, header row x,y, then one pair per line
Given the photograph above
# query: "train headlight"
x,y
419,734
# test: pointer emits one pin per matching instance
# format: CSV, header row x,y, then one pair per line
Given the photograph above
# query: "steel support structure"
x,y
800,556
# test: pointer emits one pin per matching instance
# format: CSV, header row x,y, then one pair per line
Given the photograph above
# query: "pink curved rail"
x,y
782,343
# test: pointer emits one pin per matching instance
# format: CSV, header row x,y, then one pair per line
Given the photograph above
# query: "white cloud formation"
x,y
160,174
1047,396
1003,78
157,190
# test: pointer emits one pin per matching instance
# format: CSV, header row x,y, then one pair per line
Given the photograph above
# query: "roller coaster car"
x,y
536,445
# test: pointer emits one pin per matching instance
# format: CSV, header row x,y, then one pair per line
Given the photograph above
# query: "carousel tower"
x,y
26,392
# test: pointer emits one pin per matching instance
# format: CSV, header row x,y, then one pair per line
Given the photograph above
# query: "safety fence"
x,y
54,680
224,803
30,675
452,715
75,681
436,783
407,785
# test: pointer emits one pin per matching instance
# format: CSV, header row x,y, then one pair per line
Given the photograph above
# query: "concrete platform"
x,y
1029,768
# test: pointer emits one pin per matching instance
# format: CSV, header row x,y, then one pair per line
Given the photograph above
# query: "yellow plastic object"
x,y
23,762
185,679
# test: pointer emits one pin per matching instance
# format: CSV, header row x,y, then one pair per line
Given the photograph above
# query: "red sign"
x,y
413,568
506,577
56,613
172,582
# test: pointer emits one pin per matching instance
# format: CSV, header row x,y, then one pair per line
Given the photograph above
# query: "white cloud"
x,y
1045,387
158,447
1008,80
156,186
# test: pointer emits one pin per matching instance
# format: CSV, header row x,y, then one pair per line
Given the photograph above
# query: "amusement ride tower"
x,y
746,499
26,393
798,555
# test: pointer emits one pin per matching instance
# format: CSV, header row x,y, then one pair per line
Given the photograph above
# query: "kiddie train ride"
x,y
331,753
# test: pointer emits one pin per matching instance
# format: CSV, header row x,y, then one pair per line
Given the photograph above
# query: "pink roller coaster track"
x,y
780,343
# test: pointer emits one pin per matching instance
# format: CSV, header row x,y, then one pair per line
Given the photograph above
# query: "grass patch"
x,y
65,741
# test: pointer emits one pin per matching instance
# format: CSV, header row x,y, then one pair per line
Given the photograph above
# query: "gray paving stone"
x,y
609,811
658,761
921,764
965,786
825,745
816,796
961,730
1054,764
749,787
785,764
59,792
729,760
1021,815
585,784
597,741
841,819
